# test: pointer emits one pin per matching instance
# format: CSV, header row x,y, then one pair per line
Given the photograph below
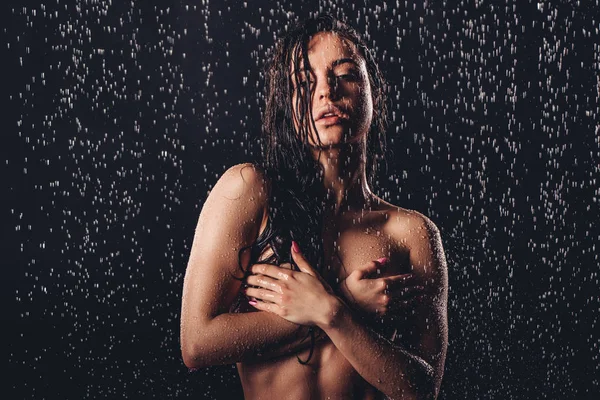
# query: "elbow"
x,y
193,358
189,360
193,349
190,357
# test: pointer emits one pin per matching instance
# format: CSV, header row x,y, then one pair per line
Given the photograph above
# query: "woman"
x,y
316,252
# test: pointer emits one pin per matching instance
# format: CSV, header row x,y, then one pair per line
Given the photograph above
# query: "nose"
x,y
326,87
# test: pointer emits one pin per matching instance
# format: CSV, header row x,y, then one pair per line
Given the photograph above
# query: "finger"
x,y
401,280
301,262
383,261
369,269
263,306
272,271
348,277
264,281
286,266
282,265
380,264
262,294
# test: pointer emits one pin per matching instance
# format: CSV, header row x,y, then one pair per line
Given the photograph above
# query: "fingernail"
x,y
252,302
382,260
295,247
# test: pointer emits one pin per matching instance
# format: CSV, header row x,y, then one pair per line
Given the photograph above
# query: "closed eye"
x,y
347,77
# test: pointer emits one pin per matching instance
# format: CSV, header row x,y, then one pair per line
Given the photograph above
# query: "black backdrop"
x,y
120,116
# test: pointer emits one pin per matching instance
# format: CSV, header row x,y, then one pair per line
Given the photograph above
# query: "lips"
x,y
330,111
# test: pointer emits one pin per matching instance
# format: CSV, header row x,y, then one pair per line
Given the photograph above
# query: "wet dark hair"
x,y
294,177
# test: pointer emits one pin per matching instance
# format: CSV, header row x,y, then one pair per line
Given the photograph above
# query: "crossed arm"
x,y
210,335
409,369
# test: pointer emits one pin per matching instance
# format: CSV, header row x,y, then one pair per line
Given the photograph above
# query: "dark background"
x,y
119,116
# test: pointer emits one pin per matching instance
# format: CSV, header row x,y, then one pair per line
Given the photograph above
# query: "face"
x,y
339,86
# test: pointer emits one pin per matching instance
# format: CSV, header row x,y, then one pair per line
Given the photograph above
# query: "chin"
x,y
336,143
328,140
336,138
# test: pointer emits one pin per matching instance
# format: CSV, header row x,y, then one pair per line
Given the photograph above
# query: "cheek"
x,y
366,101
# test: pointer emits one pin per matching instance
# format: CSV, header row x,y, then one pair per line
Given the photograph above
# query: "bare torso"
x,y
359,238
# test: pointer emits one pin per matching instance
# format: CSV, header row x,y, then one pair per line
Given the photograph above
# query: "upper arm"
x,y
429,319
229,220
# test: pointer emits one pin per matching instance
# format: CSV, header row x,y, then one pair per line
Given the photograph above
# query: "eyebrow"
x,y
335,63
343,61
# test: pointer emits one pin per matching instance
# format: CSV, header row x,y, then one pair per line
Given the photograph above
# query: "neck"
x,y
344,177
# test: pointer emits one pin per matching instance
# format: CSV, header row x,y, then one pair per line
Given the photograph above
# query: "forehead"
x,y
326,47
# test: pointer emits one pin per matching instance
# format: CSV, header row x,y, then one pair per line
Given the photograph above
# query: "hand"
x,y
240,304
380,296
301,296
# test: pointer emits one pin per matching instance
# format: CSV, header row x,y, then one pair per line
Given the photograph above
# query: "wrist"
x,y
333,309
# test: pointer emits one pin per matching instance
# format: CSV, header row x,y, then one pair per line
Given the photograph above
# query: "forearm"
x,y
393,370
243,337
298,340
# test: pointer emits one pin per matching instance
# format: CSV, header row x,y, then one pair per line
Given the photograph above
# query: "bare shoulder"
x,y
405,223
242,180
236,204
414,230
